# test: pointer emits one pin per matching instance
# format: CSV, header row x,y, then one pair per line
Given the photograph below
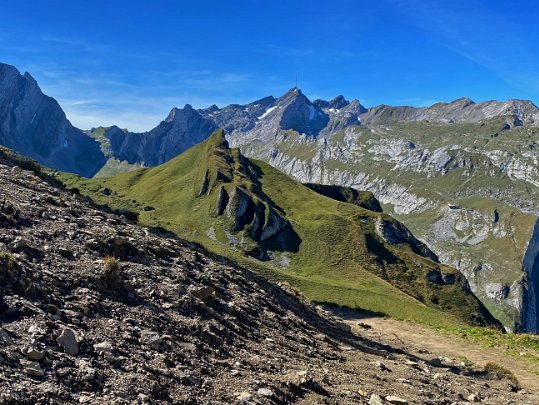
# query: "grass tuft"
x,y
7,261
500,372
110,274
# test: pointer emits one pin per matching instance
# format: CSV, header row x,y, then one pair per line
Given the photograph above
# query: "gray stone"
x,y
151,338
4,337
375,399
265,392
243,396
34,354
474,398
104,347
32,369
203,293
392,399
381,366
69,342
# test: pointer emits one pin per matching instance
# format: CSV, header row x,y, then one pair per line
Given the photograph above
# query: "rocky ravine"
x,y
95,309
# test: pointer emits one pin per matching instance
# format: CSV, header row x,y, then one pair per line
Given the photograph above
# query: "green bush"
x,y
494,369
6,261
111,275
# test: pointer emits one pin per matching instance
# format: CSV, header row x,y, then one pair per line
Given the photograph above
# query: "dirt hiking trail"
x,y
426,342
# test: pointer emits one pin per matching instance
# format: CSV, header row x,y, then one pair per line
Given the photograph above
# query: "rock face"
x,y
530,301
364,199
247,211
35,125
395,233
182,129
180,326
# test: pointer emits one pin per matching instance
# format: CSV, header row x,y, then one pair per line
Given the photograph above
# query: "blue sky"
x,y
129,62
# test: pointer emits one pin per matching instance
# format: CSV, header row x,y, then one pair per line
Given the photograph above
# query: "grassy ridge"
x,y
333,254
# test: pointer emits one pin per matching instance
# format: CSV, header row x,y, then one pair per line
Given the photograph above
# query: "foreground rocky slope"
x,y
95,309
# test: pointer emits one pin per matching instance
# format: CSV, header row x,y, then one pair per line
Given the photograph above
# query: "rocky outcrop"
x,y
35,125
239,196
530,302
241,208
182,129
248,211
395,233
364,199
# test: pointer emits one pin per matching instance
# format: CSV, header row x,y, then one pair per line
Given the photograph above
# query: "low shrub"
x,y
496,370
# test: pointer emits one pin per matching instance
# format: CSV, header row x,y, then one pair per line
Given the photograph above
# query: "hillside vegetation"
x,y
334,252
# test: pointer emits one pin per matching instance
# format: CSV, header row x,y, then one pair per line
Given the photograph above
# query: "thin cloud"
x,y
418,102
479,34
307,52
74,42
134,121
62,40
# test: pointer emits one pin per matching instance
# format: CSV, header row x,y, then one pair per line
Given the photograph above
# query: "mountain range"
x,y
96,309
462,176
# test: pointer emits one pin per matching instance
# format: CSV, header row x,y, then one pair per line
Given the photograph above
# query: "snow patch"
x,y
312,112
269,110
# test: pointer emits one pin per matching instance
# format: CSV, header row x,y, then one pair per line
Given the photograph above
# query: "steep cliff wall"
x,y
530,307
35,125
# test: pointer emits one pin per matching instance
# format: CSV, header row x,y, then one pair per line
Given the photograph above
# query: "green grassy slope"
x,y
488,170
329,250
113,166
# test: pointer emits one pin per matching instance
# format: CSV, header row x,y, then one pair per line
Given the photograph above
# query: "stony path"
x,y
417,339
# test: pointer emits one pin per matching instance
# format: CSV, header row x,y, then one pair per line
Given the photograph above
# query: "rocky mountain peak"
x,y
35,125
355,106
211,109
181,113
321,103
296,112
30,79
291,95
463,101
338,102
8,71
